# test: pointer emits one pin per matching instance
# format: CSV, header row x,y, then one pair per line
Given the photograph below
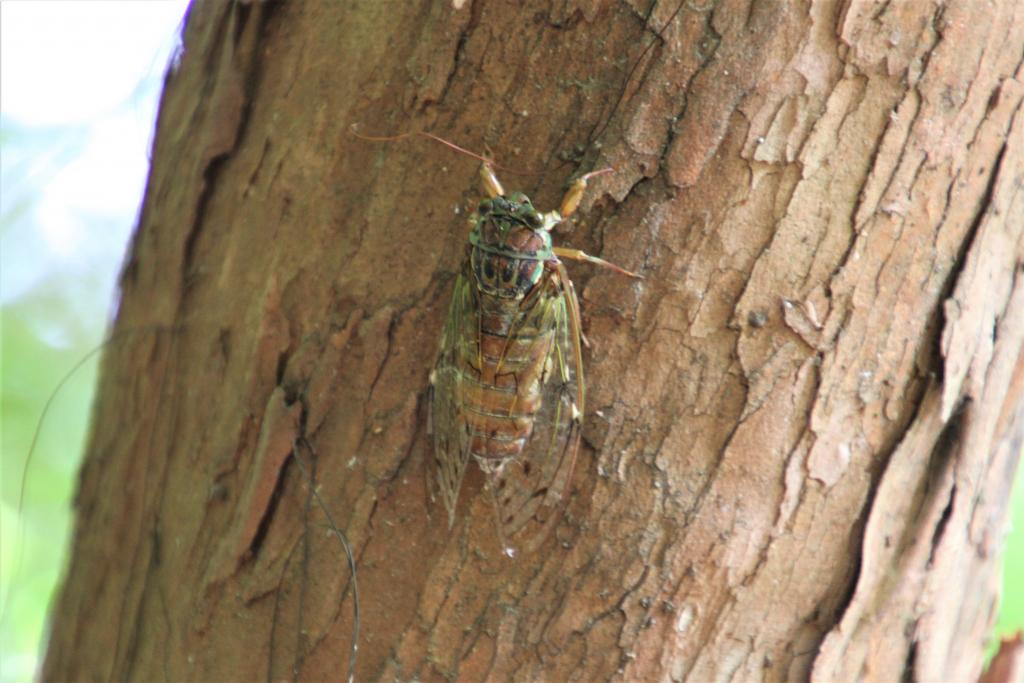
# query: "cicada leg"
x,y
489,181
577,255
571,200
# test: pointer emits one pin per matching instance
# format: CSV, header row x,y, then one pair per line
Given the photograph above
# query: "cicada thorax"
x,y
508,247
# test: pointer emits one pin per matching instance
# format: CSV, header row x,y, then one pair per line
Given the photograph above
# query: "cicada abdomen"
x,y
508,387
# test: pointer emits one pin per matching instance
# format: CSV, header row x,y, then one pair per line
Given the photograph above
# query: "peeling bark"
x,y
803,424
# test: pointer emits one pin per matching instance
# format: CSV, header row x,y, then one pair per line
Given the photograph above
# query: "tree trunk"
x,y
802,424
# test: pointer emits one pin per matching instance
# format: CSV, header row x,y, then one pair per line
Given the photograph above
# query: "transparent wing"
x,y
451,437
527,490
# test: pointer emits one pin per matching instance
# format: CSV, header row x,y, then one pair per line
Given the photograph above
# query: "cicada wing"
x,y
528,490
451,437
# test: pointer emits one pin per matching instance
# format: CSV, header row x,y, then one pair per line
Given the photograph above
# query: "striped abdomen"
x,y
502,375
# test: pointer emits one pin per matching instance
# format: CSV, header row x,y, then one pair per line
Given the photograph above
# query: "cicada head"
x,y
510,242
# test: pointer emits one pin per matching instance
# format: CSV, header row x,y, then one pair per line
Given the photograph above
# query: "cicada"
x,y
508,389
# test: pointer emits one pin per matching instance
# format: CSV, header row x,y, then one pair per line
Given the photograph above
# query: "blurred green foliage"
x,y
36,528
1011,610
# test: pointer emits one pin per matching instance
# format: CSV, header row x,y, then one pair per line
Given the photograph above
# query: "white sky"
x,y
79,84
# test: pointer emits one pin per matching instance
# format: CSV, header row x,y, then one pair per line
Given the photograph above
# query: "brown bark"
x,y
1007,666
803,424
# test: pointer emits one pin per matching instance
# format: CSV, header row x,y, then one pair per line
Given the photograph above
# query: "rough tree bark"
x,y
803,423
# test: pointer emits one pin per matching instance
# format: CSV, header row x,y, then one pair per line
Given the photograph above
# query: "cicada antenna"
x,y
601,171
437,138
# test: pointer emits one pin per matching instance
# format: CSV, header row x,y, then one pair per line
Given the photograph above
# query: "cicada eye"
x,y
534,219
485,206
